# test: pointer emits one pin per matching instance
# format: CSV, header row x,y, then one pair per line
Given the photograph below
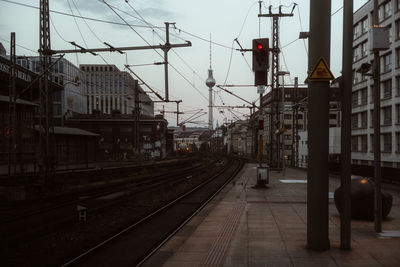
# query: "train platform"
x,y
249,226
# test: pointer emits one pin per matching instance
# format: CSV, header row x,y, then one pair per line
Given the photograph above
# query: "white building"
x,y
334,145
362,98
109,90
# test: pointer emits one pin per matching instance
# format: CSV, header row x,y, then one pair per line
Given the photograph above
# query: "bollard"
x,y
262,176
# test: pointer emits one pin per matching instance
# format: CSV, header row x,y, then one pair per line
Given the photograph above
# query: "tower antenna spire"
x,y
210,52
210,82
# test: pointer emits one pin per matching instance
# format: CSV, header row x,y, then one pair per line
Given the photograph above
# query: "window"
x,y
398,142
398,114
354,99
363,139
397,57
364,49
386,87
388,9
354,143
364,119
364,96
387,164
287,137
287,116
385,11
364,25
354,121
372,143
397,29
398,86
288,126
356,53
357,30
398,5
387,142
372,118
386,62
387,115
332,116
300,116
97,102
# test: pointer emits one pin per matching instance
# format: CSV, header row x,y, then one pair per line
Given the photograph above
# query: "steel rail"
x,y
237,170
151,215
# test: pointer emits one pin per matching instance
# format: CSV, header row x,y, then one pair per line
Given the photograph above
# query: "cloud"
x,y
149,10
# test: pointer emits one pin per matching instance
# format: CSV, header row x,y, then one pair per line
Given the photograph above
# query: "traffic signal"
x,y
260,60
260,54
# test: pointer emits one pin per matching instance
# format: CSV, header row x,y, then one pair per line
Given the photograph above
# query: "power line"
x,y
76,23
155,50
71,15
150,25
90,29
26,48
301,28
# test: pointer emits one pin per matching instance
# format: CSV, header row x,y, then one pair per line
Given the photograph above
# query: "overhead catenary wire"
x,y
23,47
172,66
301,28
90,29
154,32
71,15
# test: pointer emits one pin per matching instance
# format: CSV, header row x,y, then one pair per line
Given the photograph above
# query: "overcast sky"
x,y
225,20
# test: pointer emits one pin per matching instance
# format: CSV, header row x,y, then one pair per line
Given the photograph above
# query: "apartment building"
x,y
111,90
293,119
363,91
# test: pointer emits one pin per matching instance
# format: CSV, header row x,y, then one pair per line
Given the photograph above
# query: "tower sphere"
x,y
210,82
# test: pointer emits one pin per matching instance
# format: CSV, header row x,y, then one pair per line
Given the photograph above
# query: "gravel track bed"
x,y
55,248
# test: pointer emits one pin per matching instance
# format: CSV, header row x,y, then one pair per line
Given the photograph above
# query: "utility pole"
x,y
177,112
377,128
45,58
346,91
295,141
137,117
12,113
166,48
274,122
318,130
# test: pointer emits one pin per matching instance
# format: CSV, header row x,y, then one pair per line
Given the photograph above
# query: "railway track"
x,y
61,211
138,241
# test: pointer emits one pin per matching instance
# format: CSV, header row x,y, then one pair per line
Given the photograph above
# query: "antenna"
x,y
210,51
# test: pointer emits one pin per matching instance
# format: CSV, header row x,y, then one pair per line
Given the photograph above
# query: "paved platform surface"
x,y
247,226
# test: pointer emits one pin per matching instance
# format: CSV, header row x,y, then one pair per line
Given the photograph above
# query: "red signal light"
x,y
259,46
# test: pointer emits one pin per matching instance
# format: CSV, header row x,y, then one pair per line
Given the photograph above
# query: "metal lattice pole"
x,y
45,58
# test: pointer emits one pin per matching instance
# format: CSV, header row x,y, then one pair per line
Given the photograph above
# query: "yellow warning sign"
x,y
321,72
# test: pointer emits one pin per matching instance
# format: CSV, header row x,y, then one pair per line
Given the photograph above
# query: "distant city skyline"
x,y
225,20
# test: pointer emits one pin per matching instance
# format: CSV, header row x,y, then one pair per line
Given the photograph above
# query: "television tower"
x,y
210,82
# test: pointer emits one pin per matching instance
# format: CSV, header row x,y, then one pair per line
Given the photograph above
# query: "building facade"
x,y
72,99
363,93
110,90
118,136
293,120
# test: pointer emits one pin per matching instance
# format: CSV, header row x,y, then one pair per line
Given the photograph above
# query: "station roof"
x,y
68,131
5,98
